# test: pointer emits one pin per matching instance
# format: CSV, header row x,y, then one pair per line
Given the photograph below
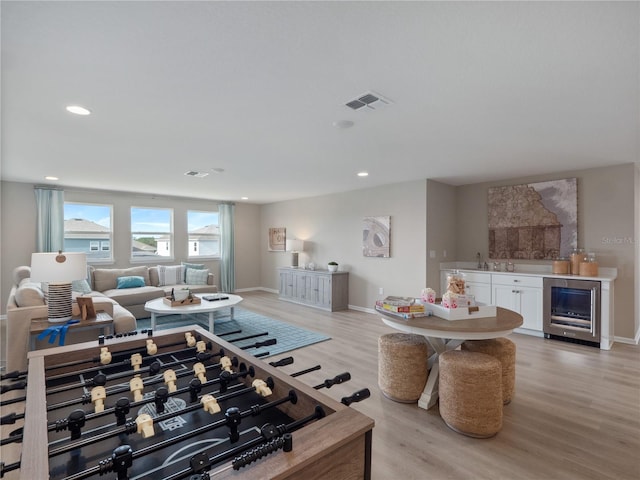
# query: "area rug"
x,y
288,337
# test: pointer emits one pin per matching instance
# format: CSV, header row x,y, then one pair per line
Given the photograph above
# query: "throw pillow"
x,y
195,266
195,276
81,286
130,282
170,275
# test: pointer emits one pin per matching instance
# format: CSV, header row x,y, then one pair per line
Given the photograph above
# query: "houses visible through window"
x,y
88,229
204,234
151,233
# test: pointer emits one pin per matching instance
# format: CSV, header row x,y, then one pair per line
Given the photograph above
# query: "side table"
x,y
103,322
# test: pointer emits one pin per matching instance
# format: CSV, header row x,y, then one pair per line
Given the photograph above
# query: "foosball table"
x,y
182,403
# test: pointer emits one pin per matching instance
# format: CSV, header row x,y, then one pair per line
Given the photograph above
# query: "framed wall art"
x,y
277,239
534,221
376,236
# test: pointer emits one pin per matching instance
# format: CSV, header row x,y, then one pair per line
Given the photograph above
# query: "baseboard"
x,y
362,309
255,289
627,340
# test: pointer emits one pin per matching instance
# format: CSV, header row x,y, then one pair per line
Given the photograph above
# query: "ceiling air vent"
x,y
193,173
368,101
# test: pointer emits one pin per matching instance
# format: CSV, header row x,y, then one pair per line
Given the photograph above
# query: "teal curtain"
x,y
227,249
49,219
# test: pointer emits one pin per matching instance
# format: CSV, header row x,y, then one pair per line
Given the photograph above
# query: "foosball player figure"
x,y
105,356
98,394
170,380
145,425
201,346
225,364
199,371
191,341
152,348
234,418
210,404
261,387
136,386
136,361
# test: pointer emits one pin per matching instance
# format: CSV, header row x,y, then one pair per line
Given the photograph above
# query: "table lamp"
x,y
295,246
56,271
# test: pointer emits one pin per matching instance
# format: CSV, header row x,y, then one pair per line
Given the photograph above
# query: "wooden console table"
x,y
315,288
103,321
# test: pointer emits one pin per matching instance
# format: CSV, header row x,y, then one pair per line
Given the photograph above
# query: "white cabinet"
x,y
315,288
522,294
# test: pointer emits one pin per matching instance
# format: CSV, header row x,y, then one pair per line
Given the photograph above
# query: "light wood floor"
x,y
575,413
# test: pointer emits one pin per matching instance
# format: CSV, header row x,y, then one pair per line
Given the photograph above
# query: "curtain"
x,y
227,249
49,219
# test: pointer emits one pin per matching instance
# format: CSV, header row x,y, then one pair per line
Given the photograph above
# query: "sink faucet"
x,y
479,260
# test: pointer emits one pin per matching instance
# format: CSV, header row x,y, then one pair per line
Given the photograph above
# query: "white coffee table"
x,y
157,307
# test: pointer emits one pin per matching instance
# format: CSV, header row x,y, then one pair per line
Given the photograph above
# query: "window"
x,y
204,234
86,227
151,233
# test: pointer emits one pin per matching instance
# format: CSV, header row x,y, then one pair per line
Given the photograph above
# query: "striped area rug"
x,y
288,337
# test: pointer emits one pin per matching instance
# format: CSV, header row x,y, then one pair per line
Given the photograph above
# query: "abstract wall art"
x,y
376,236
533,221
277,239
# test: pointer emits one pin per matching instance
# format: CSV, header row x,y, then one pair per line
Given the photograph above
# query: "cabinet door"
x,y
527,301
303,287
323,291
530,307
287,288
481,292
504,296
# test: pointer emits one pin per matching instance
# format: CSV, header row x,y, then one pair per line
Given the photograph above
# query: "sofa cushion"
x,y
29,295
195,266
130,282
170,275
107,278
81,286
197,277
134,296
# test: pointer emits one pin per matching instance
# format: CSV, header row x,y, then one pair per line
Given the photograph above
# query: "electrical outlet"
x,y
444,254
432,254
381,291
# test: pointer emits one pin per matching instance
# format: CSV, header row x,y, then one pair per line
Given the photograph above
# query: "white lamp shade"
x,y
294,245
58,267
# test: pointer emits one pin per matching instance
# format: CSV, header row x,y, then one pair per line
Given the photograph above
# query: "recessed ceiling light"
x,y
78,110
244,198
49,177
342,124
217,170
363,174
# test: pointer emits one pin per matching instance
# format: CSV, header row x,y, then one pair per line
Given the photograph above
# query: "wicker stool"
x,y
504,350
471,393
402,366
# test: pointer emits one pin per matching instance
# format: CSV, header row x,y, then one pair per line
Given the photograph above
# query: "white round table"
x,y
158,307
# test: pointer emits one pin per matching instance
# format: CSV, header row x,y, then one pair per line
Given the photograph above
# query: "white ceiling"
x,y
481,91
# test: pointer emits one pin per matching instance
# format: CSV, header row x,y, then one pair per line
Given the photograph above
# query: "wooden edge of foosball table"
x,y
34,462
341,440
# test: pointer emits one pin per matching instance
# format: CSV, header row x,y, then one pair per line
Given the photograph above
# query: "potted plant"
x,y
332,266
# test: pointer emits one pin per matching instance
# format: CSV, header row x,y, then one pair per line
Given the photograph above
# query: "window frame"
x,y
171,234
191,242
110,235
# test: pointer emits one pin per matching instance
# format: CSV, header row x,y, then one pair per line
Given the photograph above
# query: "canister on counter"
x,y
577,256
589,267
561,266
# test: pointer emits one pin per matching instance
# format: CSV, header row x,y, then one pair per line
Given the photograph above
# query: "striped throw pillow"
x,y
170,275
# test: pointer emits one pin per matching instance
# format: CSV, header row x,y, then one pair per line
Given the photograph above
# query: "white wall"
x,y
331,227
441,229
